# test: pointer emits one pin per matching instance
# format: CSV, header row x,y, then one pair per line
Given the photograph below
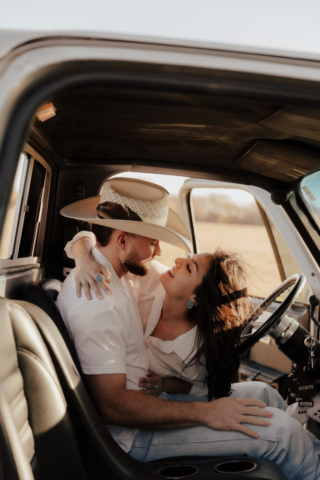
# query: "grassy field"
x,y
251,241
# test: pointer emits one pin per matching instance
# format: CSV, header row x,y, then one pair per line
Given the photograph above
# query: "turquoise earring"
x,y
190,304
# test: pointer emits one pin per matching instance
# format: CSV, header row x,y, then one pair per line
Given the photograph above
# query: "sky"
x,y
291,25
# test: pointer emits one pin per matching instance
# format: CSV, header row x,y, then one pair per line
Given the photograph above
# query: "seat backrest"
x,y
103,457
43,293
14,462
37,439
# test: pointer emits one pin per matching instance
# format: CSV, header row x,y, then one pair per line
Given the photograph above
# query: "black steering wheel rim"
x,y
297,282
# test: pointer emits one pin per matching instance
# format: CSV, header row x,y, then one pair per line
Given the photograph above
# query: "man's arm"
x,y
119,406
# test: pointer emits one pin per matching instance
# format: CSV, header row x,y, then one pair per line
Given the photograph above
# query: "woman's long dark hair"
x,y
222,310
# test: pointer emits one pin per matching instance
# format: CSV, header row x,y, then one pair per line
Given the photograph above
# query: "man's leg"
x,y
285,443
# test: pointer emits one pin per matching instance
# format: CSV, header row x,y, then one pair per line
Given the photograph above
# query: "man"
x,y
128,220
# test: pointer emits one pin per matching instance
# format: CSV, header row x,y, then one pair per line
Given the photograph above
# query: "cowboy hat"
x,y
148,200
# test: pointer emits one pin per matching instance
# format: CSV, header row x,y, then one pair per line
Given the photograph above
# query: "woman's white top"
x,y
167,358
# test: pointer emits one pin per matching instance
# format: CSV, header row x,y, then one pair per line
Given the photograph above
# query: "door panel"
x,y
270,356
12,284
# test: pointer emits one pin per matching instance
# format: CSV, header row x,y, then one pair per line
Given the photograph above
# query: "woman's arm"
x,y
175,385
87,267
153,384
80,235
81,247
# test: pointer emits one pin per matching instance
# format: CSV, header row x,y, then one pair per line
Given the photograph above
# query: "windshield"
x,y
310,188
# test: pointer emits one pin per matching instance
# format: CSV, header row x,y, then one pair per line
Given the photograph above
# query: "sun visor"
x,y
295,121
279,161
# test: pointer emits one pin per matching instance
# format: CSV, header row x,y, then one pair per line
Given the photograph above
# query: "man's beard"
x,y
135,266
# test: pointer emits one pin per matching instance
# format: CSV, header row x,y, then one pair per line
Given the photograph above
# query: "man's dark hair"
x,y
114,211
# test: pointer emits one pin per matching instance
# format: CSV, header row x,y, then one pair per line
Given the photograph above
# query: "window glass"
x,y
11,221
33,210
230,219
310,188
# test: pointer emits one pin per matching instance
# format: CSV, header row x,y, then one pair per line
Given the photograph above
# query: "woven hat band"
x,y
150,211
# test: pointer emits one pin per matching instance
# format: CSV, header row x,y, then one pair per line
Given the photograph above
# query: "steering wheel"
x,y
295,284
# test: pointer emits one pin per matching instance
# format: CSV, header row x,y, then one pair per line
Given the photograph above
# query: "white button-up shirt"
x,y
168,358
107,334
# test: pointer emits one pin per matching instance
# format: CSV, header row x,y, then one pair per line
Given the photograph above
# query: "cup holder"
x,y
235,466
177,472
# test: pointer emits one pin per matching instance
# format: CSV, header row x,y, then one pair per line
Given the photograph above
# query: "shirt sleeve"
x,y
100,338
68,247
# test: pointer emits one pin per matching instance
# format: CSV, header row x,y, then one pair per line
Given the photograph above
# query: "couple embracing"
x,y
157,346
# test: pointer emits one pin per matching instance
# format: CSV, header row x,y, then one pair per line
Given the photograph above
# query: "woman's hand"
x,y
85,271
152,384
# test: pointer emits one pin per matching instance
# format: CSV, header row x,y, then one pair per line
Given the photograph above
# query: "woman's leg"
x,y
257,390
260,391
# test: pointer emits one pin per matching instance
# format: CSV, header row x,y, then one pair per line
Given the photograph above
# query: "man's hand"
x,y
152,384
231,413
85,271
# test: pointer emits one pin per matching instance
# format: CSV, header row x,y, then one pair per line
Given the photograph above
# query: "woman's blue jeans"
x,y
285,442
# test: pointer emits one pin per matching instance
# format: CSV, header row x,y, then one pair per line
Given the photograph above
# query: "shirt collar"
x,y
183,346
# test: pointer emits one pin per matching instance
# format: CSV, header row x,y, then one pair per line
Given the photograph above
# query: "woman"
x,y
204,329
197,315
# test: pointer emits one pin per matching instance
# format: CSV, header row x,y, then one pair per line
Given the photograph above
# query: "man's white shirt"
x,y
107,333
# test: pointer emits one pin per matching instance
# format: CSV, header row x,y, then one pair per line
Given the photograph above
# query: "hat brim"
x,y
175,232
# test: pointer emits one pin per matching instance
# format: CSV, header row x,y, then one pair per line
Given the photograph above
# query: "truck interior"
x,y
105,119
